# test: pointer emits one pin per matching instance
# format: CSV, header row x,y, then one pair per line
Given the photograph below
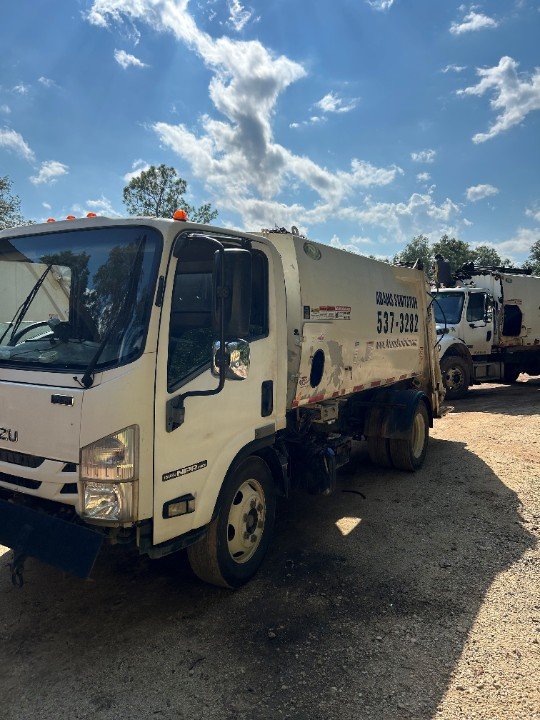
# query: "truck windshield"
x,y
448,307
65,294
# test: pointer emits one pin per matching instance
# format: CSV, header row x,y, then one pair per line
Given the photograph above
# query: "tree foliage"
x,y
417,249
10,206
533,261
158,192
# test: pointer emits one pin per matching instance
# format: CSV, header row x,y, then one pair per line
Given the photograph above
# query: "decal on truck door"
x,y
184,471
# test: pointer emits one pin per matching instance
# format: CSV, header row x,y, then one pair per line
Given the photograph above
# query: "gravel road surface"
x,y
401,596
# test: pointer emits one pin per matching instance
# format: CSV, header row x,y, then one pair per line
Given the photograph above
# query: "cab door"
x,y
192,460
478,323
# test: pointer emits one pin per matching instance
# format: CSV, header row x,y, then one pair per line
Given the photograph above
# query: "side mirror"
x,y
231,282
236,359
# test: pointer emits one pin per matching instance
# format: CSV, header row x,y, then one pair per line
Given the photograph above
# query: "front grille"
x,y
21,482
18,458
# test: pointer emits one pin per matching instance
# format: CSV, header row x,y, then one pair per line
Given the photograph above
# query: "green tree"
x,y
533,261
10,206
457,252
158,192
417,249
485,256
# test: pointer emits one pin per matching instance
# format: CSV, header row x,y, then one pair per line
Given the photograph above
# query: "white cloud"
x,y
520,244
333,103
454,68
355,244
424,156
380,4
238,15
423,177
21,89
138,167
514,97
533,213
46,206
126,60
47,82
313,120
14,141
236,155
472,22
479,192
102,206
49,172
5,109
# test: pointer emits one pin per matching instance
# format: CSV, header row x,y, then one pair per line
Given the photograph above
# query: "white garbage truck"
x,y
488,328
193,375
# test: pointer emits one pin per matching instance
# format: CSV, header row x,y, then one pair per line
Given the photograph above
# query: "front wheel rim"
x,y
454,378
246,521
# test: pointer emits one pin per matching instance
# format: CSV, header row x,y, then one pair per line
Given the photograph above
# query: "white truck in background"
x,y
195,374
488,328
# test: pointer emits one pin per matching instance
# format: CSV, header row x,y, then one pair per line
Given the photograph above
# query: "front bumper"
x,y
69,546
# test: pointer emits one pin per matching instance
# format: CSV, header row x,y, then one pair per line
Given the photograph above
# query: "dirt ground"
x,y
401,596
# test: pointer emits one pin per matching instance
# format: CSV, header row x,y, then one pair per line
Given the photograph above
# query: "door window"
x,y
190,330
476,308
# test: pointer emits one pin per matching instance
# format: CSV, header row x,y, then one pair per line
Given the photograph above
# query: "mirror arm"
x,y
176,410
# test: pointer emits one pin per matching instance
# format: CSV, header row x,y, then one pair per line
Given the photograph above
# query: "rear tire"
x,y
456,376
237,539
409,454
378,447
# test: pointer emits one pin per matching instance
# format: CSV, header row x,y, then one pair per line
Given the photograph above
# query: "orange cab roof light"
x,y
91,214
51,220
70,217
180,215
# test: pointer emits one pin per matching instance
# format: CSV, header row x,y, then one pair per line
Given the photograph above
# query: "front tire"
x,y
237,539
456,377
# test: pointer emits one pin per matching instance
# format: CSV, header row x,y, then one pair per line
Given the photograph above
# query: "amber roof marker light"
x,y
51,220
180,215
70,217
91,215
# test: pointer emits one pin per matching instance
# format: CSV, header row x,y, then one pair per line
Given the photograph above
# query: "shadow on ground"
x,y
369,624
520,398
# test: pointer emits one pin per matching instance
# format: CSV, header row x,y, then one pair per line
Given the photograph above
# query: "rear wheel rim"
x,y
418,435
246,521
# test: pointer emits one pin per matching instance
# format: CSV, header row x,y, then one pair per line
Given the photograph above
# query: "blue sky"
x,y
363,122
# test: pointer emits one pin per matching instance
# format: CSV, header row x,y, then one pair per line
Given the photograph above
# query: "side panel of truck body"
x,y
367,317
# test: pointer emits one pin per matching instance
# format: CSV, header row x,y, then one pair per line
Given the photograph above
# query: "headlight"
x,y
109,471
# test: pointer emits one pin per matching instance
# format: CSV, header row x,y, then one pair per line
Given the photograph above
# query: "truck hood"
x,y
41,420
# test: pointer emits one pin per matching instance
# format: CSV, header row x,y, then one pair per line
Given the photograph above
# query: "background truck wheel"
x,y
238,538
511,374
409,454
456,378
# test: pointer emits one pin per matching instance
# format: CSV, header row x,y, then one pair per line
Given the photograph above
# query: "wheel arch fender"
x,y
268,450
399,413
459,349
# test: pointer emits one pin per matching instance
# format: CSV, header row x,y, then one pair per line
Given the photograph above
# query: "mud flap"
x,y
65,545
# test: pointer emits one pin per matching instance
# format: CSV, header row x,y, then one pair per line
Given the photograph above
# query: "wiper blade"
x,y
15,323
87,379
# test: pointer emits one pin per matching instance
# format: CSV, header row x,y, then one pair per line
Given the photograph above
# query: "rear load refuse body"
x,y
488,329
162,382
